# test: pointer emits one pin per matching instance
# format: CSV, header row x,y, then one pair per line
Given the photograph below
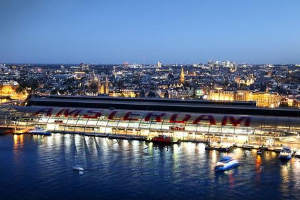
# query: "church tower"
x,y
106,89
182,76
94,84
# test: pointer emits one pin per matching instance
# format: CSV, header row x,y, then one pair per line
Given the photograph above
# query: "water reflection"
x,y
184,169
285,176
18,142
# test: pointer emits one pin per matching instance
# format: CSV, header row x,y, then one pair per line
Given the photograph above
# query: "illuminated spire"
x,y
182,76
106,89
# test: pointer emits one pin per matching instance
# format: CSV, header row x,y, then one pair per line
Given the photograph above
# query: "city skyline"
x,y
149,99
109,32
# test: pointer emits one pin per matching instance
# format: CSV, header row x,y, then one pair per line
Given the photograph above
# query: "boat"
x,y
39,131
219,147
164,139
4,131
116,136
297,153
19,131
286,153
278,149
250,146
260,151
226,163
78,168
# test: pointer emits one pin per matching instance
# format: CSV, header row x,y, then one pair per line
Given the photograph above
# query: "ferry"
x,y
164,139
39,131
226,163
286,153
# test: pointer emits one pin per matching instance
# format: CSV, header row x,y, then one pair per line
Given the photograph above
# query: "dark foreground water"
x,y
36,167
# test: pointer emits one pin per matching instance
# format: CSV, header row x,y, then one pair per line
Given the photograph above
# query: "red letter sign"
x,y
236,122
131,116
209,118
174,117
157,116
67,112
48,111
97,113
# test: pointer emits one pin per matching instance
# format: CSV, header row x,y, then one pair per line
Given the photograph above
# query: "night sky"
x,y
138,31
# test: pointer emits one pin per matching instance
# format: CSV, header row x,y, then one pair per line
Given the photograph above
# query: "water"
x,y
37,167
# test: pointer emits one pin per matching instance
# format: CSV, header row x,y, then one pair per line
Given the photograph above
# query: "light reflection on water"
x,y
133,169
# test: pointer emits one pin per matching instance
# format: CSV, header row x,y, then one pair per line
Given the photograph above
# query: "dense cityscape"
x,y
268,85
152,99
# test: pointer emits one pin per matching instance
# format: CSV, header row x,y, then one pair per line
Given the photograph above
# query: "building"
x,y
182,76
96,87
8,88
159,64
266,99
262,99
123,93
221,95
187,120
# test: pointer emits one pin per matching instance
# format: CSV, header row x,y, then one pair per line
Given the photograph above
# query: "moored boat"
x,y
226,163
164,139
250,146
286,153
261,150
4,131
297,153
39,131
19,131
219,147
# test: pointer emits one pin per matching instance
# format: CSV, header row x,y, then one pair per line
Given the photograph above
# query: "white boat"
x,y
226,163
286,153
39,131
297,154
78,168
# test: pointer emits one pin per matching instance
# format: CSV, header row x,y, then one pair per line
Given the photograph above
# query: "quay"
x,y
218,146
239,124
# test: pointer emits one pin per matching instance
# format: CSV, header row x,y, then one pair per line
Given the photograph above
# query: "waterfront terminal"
x,y
239,123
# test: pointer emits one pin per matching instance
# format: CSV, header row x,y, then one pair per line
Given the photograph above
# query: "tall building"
x,y
96,86
182,76
104,87
93,87
158,64
84,67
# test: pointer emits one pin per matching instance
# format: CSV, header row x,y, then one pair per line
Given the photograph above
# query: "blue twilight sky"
x,y
137,31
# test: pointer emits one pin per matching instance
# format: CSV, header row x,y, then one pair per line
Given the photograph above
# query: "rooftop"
x,y
149,104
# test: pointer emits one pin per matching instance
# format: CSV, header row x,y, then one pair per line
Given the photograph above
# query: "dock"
x,y
219,147
248,146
